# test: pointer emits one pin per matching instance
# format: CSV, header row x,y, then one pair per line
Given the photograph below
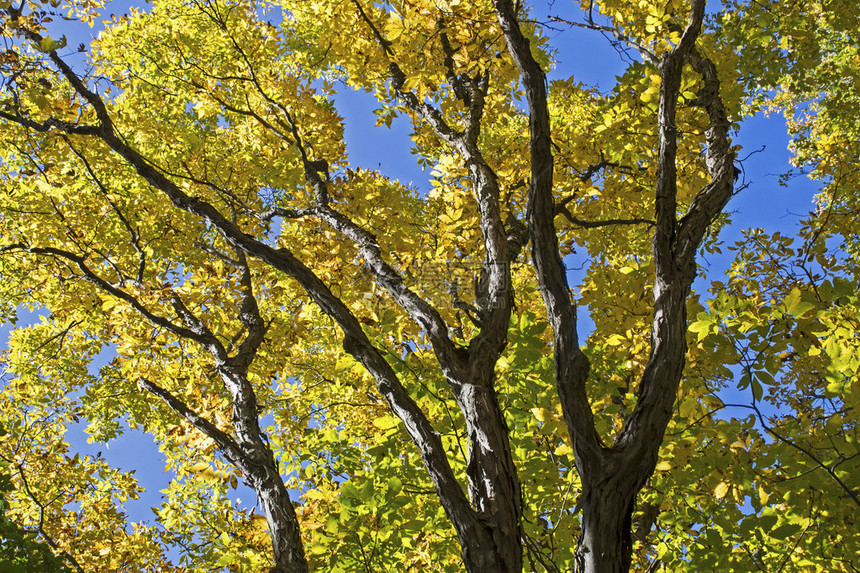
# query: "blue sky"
x,y
592,60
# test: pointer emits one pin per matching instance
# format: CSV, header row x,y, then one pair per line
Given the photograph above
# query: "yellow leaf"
x,y
394,27
198,467
542,414
615,340
721,490
259,522
386,423
563,450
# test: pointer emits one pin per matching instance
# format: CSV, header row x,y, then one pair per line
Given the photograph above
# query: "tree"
x,y
21,551
399,375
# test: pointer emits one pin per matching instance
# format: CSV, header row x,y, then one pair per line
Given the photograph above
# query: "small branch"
x,y
788,554
40,526
534,551
133,234
605,223
287,213
227,445
51,123
645,52
808,454
384,44
652,567
230,262
90,276
106,126
398,79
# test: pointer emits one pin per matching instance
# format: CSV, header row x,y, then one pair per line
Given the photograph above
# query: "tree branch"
x,y
604,223
851,494
491,338
134,236
624,39
709,202
225,443
249,316
51,123
90,276
571,365
643,430
355,341
40,526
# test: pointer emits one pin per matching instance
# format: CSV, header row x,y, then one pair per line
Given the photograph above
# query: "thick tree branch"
x,y
450,357
486,187
675,270
671,66
249,316
571,365
493,484
719,158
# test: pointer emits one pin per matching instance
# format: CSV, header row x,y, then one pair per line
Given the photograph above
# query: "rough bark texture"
x,y
613,475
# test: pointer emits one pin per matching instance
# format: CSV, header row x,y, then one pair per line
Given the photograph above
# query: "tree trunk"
x,y
281,517
488,552
493,485
605,543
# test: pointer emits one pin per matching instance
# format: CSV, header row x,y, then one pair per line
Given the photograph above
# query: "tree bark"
x,y
612,476
493,485
605,543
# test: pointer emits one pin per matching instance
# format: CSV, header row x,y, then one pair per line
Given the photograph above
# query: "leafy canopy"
x,y
233,104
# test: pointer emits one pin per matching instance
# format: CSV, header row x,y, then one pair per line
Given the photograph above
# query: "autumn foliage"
x,y
403,375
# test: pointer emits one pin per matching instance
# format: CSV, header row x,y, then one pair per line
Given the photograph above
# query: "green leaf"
x,y
785,531
757,389
48,44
